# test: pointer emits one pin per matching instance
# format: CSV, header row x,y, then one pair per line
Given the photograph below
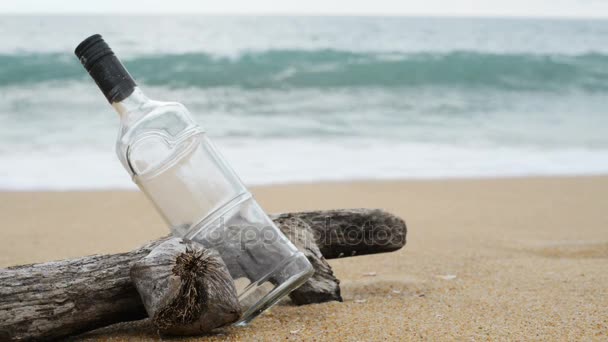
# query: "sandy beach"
x,y
495,259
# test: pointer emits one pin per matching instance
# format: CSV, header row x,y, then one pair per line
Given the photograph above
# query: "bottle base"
x,y
297,262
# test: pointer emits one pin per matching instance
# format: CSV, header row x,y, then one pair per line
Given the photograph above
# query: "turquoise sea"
x,y
300,99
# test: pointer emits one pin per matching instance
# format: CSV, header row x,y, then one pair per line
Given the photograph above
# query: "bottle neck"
x,y
132,107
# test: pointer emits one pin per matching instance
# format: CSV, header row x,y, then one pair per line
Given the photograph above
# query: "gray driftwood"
x,y
186,290
64,298
349,232
322,286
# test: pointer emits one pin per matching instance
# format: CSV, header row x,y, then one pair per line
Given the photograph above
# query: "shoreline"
x,y
509,258
262,185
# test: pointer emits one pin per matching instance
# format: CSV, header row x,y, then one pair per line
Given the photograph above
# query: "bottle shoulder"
x,y
169,118
160,123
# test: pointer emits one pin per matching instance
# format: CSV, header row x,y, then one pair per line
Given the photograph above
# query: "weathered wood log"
x,y
63,298
349,232
185,288
322,286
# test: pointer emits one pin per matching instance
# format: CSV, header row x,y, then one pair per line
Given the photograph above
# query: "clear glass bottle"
x,y
173,162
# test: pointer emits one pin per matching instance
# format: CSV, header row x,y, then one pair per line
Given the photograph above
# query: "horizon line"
x,y
312,14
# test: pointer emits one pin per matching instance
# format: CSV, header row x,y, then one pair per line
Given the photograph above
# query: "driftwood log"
x,y
186,288
64,298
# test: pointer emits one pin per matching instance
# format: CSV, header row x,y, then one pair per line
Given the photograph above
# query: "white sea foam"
x,y
50,141
288,160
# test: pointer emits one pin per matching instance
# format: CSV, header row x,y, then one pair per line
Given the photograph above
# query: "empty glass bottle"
x,y
173,162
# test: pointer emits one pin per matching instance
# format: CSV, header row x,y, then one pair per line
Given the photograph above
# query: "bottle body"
x,y
174,163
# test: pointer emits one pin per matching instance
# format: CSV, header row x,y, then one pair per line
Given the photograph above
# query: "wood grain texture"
x,y
350,232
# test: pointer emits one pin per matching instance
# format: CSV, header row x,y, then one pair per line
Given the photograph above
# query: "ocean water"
x,y
301,99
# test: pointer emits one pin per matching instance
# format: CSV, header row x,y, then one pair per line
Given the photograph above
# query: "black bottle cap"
x,y
107,71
